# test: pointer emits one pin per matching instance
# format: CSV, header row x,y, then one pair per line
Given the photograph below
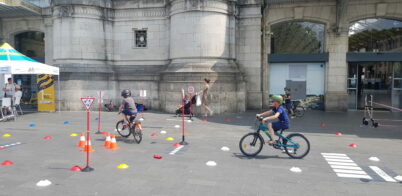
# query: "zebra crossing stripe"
x,y
382,174
341,163
340,160
346,171
344,167
353,176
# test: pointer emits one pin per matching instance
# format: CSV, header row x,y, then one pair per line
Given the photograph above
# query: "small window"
x,y
140,38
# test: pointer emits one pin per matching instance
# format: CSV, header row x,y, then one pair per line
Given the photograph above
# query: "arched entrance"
x,y
375,63
297,61
31,44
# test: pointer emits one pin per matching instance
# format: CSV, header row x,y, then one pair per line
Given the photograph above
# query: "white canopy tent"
x,y
13,62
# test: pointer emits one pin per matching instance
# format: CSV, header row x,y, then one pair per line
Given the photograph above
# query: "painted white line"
x,y
381,173
340,163
6,145
335,157
345,167
336,154
353,176
345,171
176,150
340,160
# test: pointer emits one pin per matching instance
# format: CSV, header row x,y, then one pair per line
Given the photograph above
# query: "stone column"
x,y
1,31
249,51
336,73
202,40
80,50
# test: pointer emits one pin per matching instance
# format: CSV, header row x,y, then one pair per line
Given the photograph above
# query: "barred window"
x,y
140,38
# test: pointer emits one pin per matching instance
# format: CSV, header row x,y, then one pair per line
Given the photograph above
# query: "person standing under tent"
x,y
9,88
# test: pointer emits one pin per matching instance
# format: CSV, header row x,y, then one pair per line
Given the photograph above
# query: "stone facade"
x,y
93,42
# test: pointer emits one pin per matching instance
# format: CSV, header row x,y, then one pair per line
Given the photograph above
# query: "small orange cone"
x,y
107,141
88,147
113,143
81,144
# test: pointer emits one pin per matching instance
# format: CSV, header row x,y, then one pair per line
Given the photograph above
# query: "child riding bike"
x,y
278,113
127,107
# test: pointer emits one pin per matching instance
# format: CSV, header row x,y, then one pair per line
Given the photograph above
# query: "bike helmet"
x,y
126,93
277,98
286,89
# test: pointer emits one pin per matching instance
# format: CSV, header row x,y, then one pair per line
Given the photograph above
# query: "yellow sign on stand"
x,y
46,94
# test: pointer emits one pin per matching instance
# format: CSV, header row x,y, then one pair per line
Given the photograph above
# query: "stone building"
x,y
332,52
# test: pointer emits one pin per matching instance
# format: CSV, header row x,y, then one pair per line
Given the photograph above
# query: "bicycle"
x,y
133,127
297,107
251,144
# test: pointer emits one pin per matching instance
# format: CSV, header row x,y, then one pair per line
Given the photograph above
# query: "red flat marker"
x,y
5,163
338,133
353,145
76,168
322,125
154,135
204,120
156,156
176,144
47,137
228,120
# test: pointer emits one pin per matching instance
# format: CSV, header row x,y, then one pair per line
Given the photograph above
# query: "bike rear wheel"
x,y
137,133
251,144
299,111
123,129
303,146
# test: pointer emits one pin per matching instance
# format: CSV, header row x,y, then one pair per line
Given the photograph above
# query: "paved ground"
x,y
186,172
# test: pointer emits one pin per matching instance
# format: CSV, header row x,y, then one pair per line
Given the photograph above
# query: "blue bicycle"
x,y
295,145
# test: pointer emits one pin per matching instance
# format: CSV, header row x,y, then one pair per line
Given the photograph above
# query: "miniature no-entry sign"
x,y
190,89
88,101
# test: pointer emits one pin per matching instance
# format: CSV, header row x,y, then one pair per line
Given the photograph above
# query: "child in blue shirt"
x,y
278,113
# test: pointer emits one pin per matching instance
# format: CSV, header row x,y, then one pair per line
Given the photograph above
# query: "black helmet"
x,y
286,89
126,93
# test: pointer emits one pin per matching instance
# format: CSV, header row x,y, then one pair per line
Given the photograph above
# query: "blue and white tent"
x,y
14,62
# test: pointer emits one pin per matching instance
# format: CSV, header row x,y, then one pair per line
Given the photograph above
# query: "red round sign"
x,y
190,89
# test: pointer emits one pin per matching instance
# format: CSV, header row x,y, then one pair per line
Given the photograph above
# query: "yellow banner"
x,y
46,93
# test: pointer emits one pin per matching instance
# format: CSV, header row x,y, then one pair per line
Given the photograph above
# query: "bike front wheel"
x,y
137,133
301,145
251,144
123,129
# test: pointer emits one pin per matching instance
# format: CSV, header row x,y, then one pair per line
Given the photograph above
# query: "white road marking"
x,y
336,154
340,163
335,157
340,160
345,167
381,173
346,171
353,176
176,150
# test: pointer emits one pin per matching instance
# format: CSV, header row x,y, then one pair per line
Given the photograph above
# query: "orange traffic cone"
x,y
81,144
107,141
113,144
88,147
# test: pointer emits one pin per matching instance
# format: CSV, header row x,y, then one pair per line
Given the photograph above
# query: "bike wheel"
x,y
123,129
251,144
137,134
299,111
303,146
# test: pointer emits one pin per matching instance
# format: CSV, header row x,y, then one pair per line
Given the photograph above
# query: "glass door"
x,y
352,86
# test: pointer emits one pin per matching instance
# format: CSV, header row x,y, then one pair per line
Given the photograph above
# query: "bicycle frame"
x,y
264,129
